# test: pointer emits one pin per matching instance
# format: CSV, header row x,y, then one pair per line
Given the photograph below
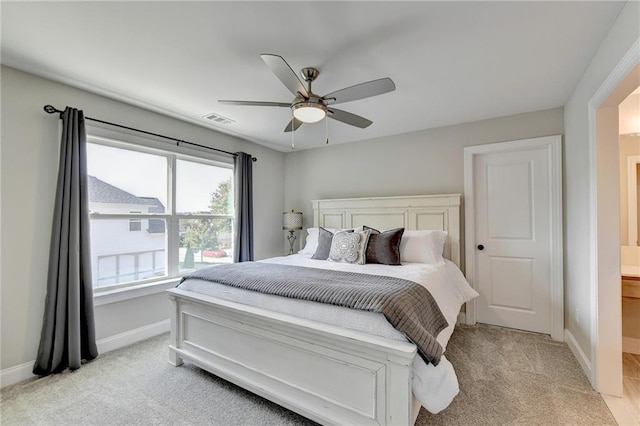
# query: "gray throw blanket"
x,y
408,306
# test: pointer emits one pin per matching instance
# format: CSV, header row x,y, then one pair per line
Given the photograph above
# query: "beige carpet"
x,y
506,377
510,377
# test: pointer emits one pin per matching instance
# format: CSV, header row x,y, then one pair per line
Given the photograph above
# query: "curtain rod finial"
x,y
49,109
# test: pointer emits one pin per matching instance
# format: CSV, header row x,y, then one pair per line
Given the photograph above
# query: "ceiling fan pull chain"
x,y
326,129
293,140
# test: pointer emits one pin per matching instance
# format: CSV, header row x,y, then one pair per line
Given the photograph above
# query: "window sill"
x,y
121,294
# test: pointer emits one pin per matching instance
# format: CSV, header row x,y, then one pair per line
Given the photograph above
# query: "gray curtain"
x,y
243,238
68,330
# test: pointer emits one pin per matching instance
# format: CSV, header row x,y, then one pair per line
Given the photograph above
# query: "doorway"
x,y
606,327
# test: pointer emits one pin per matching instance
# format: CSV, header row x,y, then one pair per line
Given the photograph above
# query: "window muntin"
x,y
137,236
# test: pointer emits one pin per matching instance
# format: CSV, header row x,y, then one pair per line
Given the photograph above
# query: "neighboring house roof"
x,y
102,192
158,207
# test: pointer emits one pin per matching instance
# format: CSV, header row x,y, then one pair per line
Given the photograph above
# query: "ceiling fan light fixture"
x,y
309,112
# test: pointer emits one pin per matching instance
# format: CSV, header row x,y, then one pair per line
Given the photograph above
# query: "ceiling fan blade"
x,y
348,118
361,91
256,103
283,71
293,125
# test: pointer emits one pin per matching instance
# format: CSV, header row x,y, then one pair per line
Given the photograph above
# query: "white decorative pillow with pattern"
x,y
350,247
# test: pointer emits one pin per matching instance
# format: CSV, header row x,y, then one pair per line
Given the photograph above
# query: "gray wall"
x,y
29,162
425,162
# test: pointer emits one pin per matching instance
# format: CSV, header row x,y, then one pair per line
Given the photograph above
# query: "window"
x,y
155,214
135,224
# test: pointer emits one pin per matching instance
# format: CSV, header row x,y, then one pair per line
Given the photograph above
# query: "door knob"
x,y
480,247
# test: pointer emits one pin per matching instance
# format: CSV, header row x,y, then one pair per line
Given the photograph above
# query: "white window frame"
x,y
174,152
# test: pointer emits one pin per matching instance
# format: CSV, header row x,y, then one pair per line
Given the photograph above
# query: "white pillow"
x,y
311,241
423,247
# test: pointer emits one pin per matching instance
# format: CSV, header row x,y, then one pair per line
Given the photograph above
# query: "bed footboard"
x,y
328,374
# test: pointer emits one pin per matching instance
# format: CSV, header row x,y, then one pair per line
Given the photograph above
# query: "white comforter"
x,y
434,387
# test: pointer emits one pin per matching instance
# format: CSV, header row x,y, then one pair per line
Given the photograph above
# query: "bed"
x,y
331,364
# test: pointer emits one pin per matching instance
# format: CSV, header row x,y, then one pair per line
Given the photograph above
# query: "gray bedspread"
x,y
408,306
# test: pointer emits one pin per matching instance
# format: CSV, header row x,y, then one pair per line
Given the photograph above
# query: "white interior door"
x,y
510,242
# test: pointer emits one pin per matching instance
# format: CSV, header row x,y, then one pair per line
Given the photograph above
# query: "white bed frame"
x,y
328,374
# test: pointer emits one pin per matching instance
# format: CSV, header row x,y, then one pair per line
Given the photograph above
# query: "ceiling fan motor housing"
x,y
309,74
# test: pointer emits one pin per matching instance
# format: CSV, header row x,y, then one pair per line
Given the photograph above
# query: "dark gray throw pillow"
x,y
384,247
324,244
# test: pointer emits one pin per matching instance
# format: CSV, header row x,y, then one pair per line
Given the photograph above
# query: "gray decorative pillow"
x,y
324,244
349,247
384,247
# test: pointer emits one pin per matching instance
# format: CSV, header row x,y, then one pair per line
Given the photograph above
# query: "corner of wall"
x,y
19,373
579,354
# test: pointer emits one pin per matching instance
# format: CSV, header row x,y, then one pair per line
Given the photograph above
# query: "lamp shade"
x,y
292,221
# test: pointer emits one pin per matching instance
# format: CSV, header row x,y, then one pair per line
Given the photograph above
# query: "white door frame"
x,y
554,149
606,328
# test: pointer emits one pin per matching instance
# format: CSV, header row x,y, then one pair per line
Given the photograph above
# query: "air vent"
x,y
218,118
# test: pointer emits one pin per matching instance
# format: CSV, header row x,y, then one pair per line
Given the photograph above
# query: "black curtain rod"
x,y
52,110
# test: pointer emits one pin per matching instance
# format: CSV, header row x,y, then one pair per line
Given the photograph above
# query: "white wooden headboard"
x,y
439,212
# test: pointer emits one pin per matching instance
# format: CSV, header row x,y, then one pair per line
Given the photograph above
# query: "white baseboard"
x,y
631,345
21,372
16,374
578,353
132,336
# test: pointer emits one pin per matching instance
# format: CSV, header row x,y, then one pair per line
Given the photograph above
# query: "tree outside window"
x,y
211,237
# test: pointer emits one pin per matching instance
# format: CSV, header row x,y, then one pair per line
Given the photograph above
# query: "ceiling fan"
x,y
307,107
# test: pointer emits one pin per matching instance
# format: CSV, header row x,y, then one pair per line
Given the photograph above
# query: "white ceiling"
x,y
452,62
